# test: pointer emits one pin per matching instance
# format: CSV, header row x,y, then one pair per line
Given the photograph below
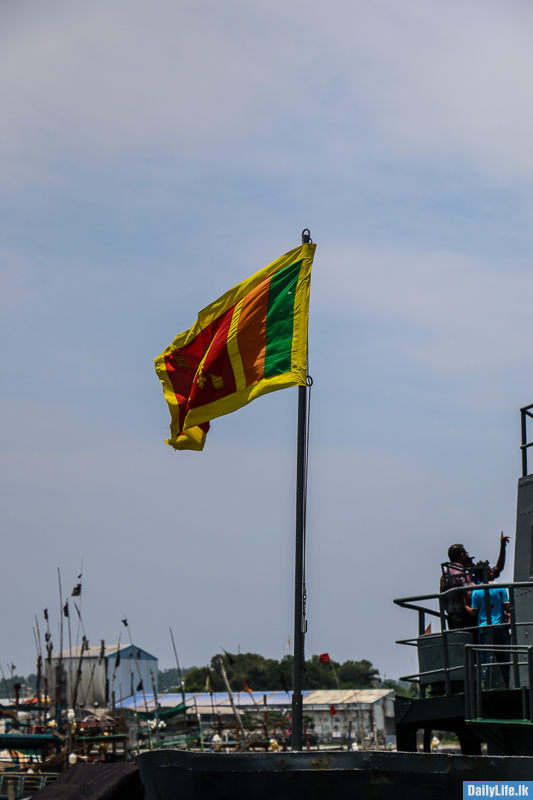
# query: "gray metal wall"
x,y
92,685
523,563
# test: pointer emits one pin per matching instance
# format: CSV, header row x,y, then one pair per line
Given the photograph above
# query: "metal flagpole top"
x,y
306,236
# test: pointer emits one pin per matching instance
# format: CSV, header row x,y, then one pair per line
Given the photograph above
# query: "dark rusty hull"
x,y
178,775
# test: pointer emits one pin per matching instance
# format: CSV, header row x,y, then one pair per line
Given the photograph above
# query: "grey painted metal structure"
x,y
451,661
333,775
523,562
300,624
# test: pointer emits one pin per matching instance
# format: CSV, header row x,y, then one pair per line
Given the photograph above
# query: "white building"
x,y
362,713
101,674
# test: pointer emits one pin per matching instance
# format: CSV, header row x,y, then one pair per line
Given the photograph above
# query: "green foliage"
x,y
350,674
447,737
7,690
258,673
264,674
357,674
252,669
403,688
31,681
169,679
196,680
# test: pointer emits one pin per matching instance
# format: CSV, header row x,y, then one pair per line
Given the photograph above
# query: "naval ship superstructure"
x,y
460,684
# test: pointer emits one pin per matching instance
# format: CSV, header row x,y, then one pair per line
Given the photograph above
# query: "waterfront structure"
x,y
362,714
333,715
98,673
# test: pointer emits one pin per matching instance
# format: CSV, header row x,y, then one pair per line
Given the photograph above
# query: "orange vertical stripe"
x,y
251,333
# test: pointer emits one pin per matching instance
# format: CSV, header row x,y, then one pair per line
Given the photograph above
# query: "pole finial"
x,y
306,236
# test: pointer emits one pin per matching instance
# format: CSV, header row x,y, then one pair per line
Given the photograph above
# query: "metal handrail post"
x,y
524,440
530,679
421,632
472,684
468,690
446,659
514,640
488,614
479,709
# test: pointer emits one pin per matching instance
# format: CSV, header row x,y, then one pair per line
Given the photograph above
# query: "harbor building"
x,y
363,715
99,673
355,713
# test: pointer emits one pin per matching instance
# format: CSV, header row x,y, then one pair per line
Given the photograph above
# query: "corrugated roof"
x,y
332,696
220,699
242,699
94,651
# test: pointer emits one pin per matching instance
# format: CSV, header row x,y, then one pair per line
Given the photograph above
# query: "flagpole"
x,y
300,625
299,622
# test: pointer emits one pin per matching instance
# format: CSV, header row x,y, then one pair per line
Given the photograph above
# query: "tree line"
x,y
255,672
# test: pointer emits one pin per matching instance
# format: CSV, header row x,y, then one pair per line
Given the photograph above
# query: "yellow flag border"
x,y
305,252
296,376
192,437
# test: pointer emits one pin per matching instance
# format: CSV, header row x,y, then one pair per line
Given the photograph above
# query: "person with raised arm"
x,y
459,571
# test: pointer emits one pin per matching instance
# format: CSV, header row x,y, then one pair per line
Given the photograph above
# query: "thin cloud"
x,y
196,87
456,315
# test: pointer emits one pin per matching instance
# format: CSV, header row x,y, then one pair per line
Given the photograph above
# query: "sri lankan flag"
x,y
250,341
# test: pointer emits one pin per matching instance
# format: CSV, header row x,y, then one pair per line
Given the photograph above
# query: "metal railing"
x,y
524,414
474,677
413,603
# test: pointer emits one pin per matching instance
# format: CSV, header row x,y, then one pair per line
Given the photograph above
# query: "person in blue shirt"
x,y
499,615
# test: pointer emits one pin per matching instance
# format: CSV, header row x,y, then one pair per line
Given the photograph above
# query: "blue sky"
x,y
155,154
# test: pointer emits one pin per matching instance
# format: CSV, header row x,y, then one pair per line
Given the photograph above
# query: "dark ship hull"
x,y
372,775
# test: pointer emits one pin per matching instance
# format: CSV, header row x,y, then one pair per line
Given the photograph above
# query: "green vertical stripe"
x,y
279,321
